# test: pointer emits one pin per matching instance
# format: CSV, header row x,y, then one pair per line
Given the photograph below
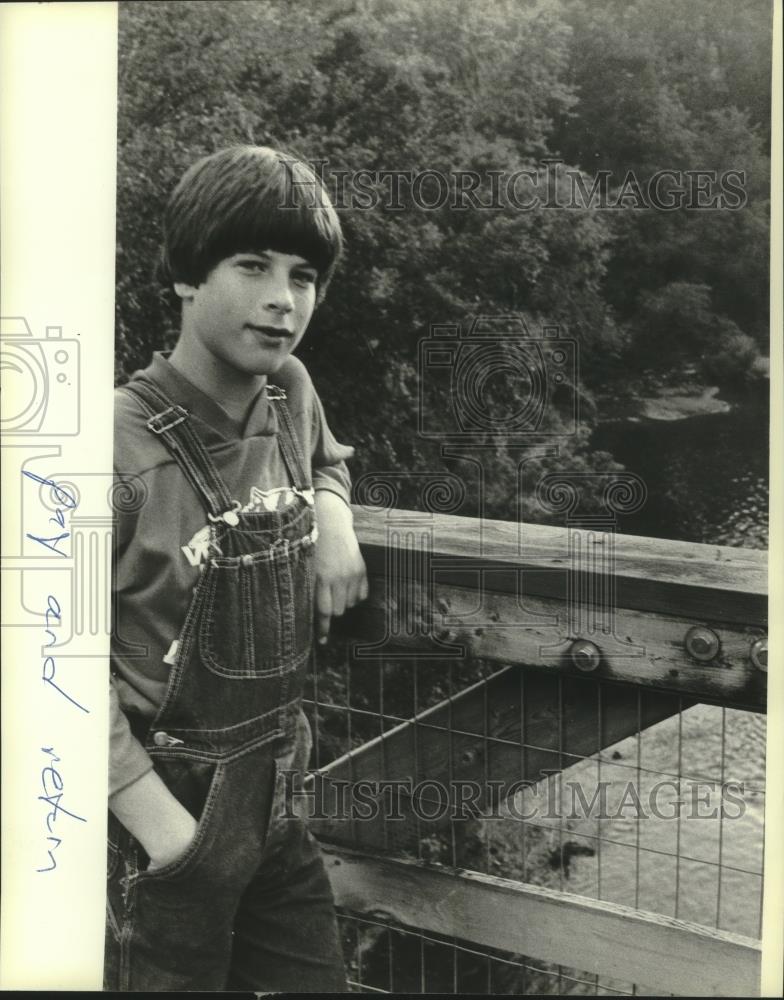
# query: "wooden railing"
x,y
682,622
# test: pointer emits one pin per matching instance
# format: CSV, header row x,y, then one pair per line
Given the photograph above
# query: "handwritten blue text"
x,y
52,787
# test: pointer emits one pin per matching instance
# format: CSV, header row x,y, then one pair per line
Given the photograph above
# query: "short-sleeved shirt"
x,y
161,524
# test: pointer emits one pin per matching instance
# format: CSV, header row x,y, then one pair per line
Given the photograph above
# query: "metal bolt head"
x,y
585,655
702,643
759,654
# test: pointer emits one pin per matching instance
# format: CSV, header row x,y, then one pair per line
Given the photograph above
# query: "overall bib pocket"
x,y
256,619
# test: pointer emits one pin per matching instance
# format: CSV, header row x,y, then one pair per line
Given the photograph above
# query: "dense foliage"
x,y
453,85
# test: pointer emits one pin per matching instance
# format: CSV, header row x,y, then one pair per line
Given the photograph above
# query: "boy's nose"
x,y
277,296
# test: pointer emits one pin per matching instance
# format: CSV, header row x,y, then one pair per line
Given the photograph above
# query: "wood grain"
x,y
645,648
716,582
654,951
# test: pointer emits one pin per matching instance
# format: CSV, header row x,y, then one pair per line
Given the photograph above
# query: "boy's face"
x,y
251,310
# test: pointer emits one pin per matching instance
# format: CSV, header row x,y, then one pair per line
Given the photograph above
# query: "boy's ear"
x,y
183,290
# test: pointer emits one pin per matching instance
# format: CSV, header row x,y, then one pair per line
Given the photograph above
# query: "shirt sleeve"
x,y
328,456
128,760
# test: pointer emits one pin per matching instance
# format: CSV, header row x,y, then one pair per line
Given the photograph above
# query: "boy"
x,y
242,522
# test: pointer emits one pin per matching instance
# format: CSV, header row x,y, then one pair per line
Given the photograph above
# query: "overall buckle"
x,y
166,419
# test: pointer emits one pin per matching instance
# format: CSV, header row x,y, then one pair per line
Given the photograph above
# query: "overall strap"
x,y
171,423
288,441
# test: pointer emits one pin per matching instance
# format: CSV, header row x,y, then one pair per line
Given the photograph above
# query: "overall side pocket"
x,y
197,786
112,846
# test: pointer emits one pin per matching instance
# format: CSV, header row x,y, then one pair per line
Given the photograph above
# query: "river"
x,y
707,476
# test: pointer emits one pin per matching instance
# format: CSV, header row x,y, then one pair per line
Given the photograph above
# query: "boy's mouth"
x,y
274,332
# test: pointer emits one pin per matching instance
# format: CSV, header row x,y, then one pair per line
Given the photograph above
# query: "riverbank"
x,y
674,404
677,396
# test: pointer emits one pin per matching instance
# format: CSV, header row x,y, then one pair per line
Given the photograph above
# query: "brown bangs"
x,y
244,199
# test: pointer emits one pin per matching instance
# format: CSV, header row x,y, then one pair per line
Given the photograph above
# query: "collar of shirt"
x,y
261,419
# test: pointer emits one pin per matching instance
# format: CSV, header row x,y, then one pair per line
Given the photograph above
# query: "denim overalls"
x,y
248,905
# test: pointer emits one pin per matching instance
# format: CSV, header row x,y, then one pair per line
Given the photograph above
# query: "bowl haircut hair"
x,y
247,199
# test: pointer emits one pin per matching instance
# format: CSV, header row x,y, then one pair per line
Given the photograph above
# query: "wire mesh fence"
x,y
611,791
387,958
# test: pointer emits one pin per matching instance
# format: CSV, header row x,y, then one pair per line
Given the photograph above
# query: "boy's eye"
x,y
305,277
252,264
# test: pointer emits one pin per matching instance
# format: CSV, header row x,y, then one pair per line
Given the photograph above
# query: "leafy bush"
x,y
731,360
